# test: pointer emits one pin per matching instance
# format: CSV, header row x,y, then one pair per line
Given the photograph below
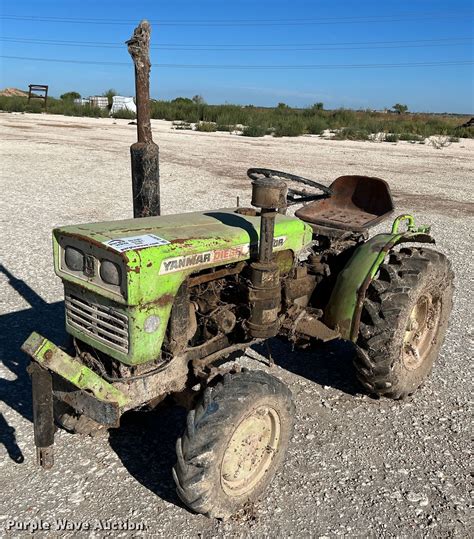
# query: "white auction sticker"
x,y
135,242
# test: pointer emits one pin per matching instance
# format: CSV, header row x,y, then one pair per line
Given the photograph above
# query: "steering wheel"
x,y
294,196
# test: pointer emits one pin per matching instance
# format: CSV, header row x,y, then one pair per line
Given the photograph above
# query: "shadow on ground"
x,y
145,444
15,391
327,364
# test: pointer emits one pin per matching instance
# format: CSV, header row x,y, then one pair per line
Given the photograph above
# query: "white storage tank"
x,y
82,101
99,101
121,102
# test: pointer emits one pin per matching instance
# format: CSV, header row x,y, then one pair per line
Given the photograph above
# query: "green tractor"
x,y
158,307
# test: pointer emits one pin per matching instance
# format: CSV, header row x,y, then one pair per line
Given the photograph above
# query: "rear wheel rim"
x,y
420,331
250,451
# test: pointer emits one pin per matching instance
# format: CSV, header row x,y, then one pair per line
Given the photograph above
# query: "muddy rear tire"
x,y
234,443
404,321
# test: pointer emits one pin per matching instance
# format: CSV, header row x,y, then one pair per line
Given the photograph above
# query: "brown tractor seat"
x,y
357,203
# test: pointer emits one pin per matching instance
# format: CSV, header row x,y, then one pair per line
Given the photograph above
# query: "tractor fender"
x,y
344,308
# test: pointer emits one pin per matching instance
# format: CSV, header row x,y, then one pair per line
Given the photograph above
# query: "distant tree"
x,y
182,100
69,96
198,99
282,106
109,94
400,109
318,106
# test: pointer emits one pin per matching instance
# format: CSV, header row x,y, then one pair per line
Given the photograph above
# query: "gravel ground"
x,y
356,466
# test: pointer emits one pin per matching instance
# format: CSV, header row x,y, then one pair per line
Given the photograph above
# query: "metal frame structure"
x,y
38,88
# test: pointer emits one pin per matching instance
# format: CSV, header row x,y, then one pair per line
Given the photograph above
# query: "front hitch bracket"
x,y
43,421
87,392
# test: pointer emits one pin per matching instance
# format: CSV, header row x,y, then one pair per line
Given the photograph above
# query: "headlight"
x,y
152,323
74,259
110,272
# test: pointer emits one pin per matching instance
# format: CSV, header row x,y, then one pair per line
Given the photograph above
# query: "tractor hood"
x,y
167,249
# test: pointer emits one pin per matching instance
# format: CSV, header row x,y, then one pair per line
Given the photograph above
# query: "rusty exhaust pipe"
x,y
144,153
265,291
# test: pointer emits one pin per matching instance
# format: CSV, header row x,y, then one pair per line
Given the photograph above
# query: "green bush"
x,y
464,132
109,94
181,100
399,108
411,137
343,118
316,126
124,114
207,127
349,133
68,108
225,120
391,137
54,106
20,104
182,126
292,127
35,106
283,120
13,104
254,131
70,96
371,124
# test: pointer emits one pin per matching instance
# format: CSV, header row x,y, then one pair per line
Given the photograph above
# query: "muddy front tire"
x,y
404,321
234,443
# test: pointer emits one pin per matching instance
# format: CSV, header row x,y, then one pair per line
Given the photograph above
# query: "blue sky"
x,y
419,31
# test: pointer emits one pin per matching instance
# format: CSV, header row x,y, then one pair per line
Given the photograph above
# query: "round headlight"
x,y
110,272
74,259
152,323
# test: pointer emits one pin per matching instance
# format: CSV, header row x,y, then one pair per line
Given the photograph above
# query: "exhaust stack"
x,y
265,291
144,153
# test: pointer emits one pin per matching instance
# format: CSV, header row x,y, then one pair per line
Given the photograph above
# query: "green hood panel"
x,y
183,229
151,271
190,243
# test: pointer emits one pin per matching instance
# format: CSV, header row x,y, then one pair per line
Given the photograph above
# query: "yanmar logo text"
x,y
179,263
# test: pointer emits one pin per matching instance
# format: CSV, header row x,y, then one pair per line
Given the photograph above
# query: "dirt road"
x,y
356,466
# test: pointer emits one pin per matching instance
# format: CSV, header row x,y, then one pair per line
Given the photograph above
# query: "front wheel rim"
x,y
420,332
250,451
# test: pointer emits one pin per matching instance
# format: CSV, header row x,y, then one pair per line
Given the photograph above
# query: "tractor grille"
x,y
102,323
